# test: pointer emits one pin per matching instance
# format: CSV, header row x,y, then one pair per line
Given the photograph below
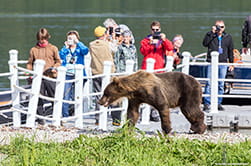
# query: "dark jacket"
x,y
246,32
212,43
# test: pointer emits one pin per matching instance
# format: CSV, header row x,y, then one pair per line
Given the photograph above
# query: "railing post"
x,y
146,108
185,62
87,99
59,94
35,90
15,95
105,82
169,63
129,70
214,81
79,96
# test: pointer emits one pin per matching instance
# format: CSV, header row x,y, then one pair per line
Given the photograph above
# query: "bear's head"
x,y
114,91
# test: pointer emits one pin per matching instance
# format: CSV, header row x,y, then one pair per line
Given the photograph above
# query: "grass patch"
x,y
124,148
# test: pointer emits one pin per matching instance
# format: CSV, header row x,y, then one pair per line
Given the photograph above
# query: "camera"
x,y
110,30
118,32
178,53
70,41
72,60
218,28
156,35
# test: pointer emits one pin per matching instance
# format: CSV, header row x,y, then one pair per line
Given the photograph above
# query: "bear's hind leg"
x,y
165,120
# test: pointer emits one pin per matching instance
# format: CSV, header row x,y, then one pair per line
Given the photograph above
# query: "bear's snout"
x,y
104,101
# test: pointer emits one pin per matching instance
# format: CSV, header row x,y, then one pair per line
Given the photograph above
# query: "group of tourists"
x,y
115,42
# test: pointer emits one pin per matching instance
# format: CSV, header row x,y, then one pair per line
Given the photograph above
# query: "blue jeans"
x,y
221,74
68,95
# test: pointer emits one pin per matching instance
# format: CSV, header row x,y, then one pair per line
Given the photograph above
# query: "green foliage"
x,y
124,147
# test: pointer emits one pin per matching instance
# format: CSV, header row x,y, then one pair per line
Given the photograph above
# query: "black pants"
x,y
97,85
47,89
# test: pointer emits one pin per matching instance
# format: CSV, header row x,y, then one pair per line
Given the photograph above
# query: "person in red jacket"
x,y
155,46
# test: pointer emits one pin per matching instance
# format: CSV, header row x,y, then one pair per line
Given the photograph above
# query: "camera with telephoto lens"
x,y
178,54
218,28
110,30
156,35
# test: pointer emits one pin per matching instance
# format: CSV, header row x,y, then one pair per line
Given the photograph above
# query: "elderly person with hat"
x,y
126,51
100,51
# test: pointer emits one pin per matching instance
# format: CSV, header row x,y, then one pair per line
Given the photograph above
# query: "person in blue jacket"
x,y
71,54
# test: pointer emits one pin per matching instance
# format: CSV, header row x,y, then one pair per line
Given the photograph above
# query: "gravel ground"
x,y
62,134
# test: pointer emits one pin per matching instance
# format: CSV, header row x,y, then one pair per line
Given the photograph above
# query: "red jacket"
x,y
157,52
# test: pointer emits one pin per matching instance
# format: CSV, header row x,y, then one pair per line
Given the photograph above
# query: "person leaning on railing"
x,y
49,53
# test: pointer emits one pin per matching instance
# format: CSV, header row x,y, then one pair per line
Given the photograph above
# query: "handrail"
x,y
87,94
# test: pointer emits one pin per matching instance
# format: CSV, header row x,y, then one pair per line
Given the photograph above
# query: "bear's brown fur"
x,y
162,91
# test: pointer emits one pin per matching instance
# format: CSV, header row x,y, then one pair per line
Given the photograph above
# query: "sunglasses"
x,y
220,26
155,30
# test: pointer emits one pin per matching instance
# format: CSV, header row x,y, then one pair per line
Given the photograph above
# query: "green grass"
x,y
124,148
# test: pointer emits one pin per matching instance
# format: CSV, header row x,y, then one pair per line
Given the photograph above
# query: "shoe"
x,y
154,116
63,122
154,119
115,123
40,121
206,108
220,108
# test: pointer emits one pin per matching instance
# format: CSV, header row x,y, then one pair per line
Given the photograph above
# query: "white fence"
x,y
84,97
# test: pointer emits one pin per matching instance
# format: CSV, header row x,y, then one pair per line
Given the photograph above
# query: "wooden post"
x,y
59,94
146,108
185,62
105,82
15,95
129,70
79,96
214,81
35,89
169,63
87,99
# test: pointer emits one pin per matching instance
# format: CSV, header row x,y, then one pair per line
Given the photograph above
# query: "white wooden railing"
x,y
82,95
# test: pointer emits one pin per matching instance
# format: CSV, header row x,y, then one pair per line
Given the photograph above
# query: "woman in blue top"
x,y
71,54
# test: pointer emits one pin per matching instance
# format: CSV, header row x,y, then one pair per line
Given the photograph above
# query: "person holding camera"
x,y
177,43
126,51
155,46
71,54
100,51
218,40
49,53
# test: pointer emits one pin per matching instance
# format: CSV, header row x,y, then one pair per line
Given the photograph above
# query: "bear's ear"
x,y
116,80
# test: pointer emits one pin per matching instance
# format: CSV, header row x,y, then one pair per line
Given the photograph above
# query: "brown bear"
x,y
162,91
